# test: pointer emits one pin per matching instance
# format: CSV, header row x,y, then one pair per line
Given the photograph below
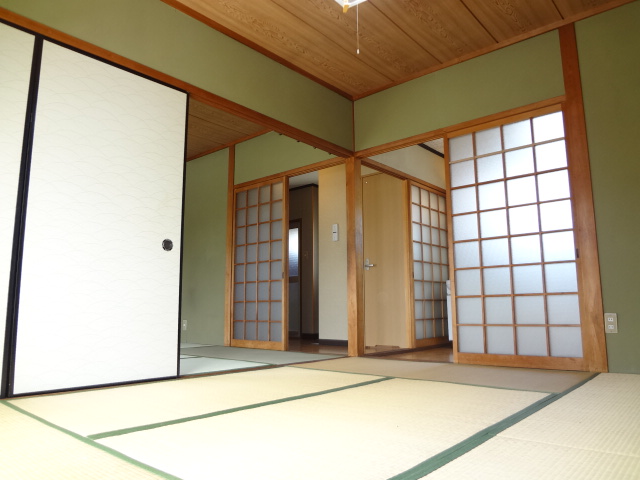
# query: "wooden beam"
x,y
355,259
591,308
228,284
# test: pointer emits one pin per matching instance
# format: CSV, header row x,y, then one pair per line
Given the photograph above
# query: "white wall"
x,y
332,201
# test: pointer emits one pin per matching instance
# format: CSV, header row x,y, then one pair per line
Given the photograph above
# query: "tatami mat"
x,y
592,432
30,450
368,432
508,459
97,411
272,357
551,381
195,365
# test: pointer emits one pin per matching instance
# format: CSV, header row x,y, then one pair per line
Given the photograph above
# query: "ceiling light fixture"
x,y
346,4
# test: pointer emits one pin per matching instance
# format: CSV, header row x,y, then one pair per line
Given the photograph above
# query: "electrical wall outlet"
x,y
184,325
611,322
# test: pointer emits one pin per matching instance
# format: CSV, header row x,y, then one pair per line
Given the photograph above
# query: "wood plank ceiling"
x,y
399,40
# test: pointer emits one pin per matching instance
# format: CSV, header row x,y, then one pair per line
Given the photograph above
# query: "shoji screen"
x,y
430,265
258,298
516,286
99,298
16,52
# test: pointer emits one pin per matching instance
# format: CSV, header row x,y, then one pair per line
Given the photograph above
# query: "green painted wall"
x,y
514,76
204,251
609,46
273,153
159,36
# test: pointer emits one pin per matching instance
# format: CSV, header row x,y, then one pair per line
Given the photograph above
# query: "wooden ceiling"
x,y
211,129
399,39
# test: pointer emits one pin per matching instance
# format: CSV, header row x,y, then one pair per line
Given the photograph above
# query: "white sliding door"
x,y
99,296
16,52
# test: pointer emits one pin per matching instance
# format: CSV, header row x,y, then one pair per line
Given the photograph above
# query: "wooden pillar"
x,y
355,259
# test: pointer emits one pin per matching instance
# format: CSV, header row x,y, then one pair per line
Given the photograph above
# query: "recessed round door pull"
x,y
167,245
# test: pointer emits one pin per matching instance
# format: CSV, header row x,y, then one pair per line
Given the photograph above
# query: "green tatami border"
x,y
125,431
88,441
432,464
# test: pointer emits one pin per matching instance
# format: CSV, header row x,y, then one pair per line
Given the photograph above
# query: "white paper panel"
x,y
99,295
16,52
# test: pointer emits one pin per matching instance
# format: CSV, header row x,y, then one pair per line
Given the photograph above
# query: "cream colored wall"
x,y
332,201
417,162
204,249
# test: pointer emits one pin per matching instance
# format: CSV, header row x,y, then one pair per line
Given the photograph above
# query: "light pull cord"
x,y
358,29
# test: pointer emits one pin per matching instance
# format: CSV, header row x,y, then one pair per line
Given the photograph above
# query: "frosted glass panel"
x,y
276,332
561,277
250,331
276,191
468,282
239,274
527,279
526,249
263,331
565,342
530,310
465,227
265,194
523,220
264,212
551,156
467,254
490,168
460,147
417,271
521,191
470,340
252,253
263,271
263,232
493,224
263,291
241,218
556,215
276,311
548,127
463,173
276,230
241,236
252,197
241,200
276,290
252,272
553,186
497,281
558,246
238,292
252,234
488,141
263,252
495,252
276,250
563,309
276,270
241,254
531,341
517,134
498,310
252,215
500,340
416,232
238,330
464,200
519,162
491,196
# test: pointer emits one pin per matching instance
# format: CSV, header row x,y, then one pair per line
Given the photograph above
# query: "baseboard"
x,y
309,336
333,343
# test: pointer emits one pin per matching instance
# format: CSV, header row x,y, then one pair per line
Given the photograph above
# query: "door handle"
x,y
367,265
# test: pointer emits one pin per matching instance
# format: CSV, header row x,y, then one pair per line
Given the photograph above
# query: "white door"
x,y
99,295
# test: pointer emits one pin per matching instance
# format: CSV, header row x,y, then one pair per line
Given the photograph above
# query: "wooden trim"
x,y
432,342
314,167
522,361
452,277
408,261
454,129
196,93
355,259
229,272
228,145
257,344
525,36
591,307
381,167
285,264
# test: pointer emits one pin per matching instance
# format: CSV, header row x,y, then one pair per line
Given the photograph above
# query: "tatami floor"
x,y
338,418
